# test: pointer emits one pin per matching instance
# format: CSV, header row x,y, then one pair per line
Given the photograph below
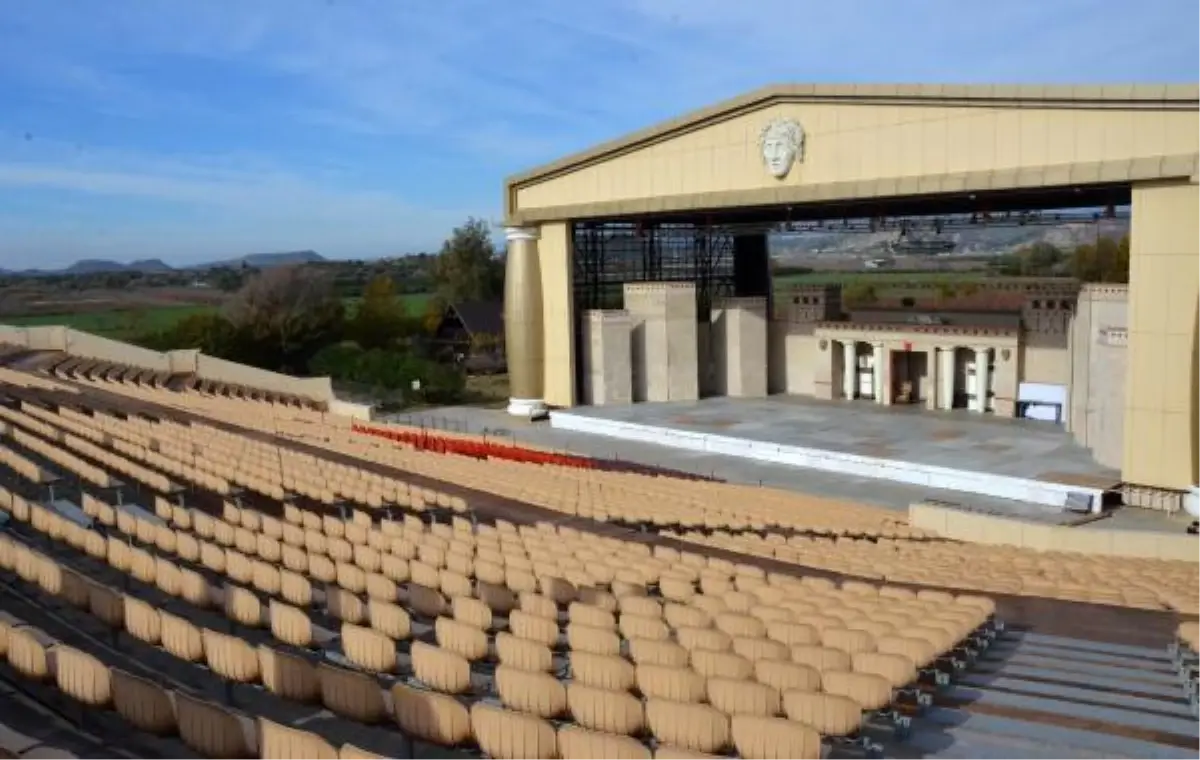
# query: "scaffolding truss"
x,y
610,254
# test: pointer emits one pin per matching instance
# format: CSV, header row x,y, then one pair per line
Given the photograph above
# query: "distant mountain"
x,y
94,266
150,265
266,260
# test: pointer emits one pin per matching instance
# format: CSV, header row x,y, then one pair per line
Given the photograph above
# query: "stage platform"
x,y
959,451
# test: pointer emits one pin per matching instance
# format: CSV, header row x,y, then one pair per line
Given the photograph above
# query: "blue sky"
x,y
189,131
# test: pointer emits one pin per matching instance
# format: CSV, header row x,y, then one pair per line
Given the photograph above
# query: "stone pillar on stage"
x,y
739,337
982,378
523,331
606,355
879,380
946,377
663,340
849,370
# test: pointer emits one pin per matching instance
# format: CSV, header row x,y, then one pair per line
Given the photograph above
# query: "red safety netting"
x,y
477,448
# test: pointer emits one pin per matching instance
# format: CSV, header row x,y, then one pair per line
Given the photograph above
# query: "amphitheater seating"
x,y
481,633
322,568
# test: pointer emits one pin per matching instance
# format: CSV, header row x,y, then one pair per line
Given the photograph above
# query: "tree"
x,y
288,312
467,269
381,318
1105,261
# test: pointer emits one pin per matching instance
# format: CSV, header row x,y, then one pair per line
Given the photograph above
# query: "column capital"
x,y
522,233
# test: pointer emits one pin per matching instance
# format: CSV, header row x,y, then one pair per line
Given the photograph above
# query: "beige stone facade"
x,y
915,145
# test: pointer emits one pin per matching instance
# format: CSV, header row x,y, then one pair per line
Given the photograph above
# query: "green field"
x,y
116,323
122,324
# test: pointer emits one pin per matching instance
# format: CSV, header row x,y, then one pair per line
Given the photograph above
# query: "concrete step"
x,y
1182,727
1176,707
1093,678
1001,730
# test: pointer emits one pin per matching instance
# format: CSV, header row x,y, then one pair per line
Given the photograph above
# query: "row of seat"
x,y
233,660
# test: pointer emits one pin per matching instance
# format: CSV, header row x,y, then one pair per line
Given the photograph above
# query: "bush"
x,y
391,370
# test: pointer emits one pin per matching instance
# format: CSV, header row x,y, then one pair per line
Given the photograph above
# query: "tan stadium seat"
x,y
266,578
686,616
783,676
559,590
242,606
898,670
344,605
351,694
322,568
430,716
295,589
598,598
440,669
721,664
194,589
533,627
793,634
603,672
393,567
739,697
709,639
820,658
676,589
64,583
461,638
770,614
872,692
142,621
389,619
523,653
368,649
830,714
640,606
144,704
282,743
424,574
82,677
530,692
379,586
767,737
650,652
689,726
520,580
181,638
505,735
471,612
290,625
576,742
230,657
755,649
583,638
212,730
454,584
536,604
287,675
677,684
847,640
615,712
350,577
736,624
643,627
107,605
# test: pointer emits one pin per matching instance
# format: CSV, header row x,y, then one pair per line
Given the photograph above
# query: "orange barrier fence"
x,y
481,448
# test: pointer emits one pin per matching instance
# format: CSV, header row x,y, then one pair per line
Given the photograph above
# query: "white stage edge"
x,y
911,473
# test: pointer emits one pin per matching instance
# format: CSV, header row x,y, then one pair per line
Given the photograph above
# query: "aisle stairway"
x,y
1034,695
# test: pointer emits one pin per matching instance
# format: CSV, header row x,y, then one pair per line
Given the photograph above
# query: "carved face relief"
x,y
782,143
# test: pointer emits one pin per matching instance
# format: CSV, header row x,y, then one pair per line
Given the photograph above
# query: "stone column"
x,y
849,369
523,323
982,380
879,380
946,377
932,386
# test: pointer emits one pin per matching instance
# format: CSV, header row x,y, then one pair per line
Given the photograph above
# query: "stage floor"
x,y
959,439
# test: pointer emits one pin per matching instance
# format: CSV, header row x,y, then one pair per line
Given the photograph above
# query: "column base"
x,y
1191,502
526,407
